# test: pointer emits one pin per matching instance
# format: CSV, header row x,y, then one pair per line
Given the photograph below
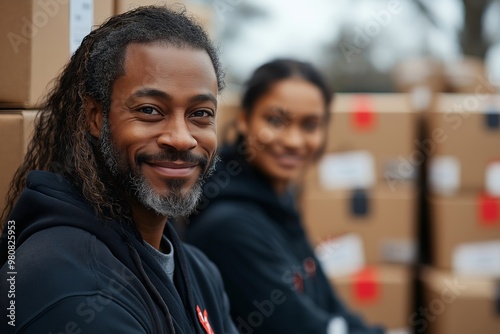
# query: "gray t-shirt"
x,y
165,258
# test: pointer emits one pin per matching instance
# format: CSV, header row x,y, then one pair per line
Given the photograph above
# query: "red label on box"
x,y
366,287
363,116
488,210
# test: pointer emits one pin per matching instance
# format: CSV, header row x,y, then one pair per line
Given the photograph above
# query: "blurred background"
x,y
359,43
404,208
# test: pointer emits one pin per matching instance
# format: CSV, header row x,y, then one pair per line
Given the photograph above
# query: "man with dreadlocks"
x,y
122,143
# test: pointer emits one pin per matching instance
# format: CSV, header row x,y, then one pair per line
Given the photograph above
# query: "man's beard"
x,y
174,204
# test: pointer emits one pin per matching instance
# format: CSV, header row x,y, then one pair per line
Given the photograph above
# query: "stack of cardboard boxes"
x,y
359,204
37,38
463,142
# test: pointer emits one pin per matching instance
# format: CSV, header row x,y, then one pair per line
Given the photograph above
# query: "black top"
x,y
273,279
77,273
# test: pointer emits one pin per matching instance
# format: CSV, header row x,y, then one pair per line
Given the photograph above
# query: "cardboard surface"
x,y
461,219
458,305
384,219
381,295
383,124
227,110
412,73
467,75
15,132
34,39
462,127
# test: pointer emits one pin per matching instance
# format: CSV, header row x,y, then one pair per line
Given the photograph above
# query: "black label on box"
x,y
492,118
359,203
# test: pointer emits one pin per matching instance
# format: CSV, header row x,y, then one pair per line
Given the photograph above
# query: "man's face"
x,y
160,137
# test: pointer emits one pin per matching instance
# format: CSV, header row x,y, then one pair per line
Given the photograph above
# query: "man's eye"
x,y
149,111
202,113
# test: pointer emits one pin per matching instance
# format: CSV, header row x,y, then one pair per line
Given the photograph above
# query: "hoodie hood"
x,y
34,211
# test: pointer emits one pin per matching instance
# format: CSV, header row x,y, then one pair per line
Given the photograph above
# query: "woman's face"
x,y
285,130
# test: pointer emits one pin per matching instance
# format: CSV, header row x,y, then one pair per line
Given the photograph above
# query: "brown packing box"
x,y
462,218
35,44
457,305
382,295
467,75
227,110
387,228
460,129
412,73
16,127
201,12
383,124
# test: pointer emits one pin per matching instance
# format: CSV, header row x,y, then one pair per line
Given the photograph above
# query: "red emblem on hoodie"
x,y
203,318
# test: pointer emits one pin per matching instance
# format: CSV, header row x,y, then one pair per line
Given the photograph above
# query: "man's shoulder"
x,y
63,261
61,276
50,266
58,257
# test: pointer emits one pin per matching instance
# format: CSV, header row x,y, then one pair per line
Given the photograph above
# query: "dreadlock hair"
x,y
61,142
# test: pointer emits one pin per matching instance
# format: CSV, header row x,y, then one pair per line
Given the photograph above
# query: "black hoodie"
x,y
74,273
255,237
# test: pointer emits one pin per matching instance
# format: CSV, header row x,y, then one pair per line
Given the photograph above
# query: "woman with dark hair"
x,y
248,223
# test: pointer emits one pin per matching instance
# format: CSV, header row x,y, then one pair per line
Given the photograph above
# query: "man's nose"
x,y
176,134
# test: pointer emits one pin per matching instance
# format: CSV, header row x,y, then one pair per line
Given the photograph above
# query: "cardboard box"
x,y
382,295
35,44
467,75
383,125
228,108
464,230
463,136
457,305
201,12
16,127
385,220
413,73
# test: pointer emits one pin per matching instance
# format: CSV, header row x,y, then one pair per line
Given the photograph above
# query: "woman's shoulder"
x,y
227,211
229,221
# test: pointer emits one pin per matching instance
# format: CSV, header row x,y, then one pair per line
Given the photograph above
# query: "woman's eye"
x,y
276,121
149,111
310,125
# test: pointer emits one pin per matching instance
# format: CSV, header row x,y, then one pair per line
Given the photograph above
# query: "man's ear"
x,y
95,115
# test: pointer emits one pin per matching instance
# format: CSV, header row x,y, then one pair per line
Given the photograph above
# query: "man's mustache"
x,y
171,156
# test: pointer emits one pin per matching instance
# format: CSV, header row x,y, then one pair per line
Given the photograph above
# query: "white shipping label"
x,y
81,19
349,170
478,259
493,178
399,331
399,251
444,174
397,169
341,256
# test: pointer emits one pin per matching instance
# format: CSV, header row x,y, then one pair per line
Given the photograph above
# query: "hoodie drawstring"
x,y
150,286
